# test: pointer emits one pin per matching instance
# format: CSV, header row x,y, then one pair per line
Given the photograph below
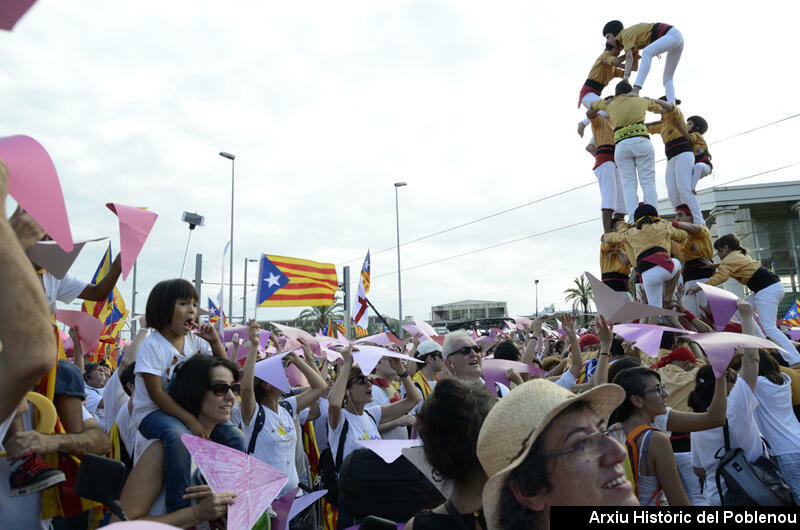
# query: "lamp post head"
x,y
399,184
536,282
229,156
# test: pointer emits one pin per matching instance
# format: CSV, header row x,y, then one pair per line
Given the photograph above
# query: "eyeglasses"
x,y
220,389
660,389
594,444
731,378
466,350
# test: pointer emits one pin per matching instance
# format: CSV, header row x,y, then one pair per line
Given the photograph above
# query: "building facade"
x,y
467,310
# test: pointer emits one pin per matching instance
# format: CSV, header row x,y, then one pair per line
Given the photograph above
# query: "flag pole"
x,y
383,320
346,288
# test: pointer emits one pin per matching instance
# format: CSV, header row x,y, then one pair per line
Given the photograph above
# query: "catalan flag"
x,y
111,311
295,282
792,316
214,314
365,273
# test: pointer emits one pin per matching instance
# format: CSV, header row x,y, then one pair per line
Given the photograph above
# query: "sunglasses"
x,y
466,350
361,380
220,389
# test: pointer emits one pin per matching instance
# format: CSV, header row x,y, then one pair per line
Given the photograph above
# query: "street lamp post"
x,y
536,286
232,158
399,282
244,299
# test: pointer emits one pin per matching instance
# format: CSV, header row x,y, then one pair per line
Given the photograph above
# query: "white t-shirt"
x,y
775,417
743,431
158,356
660,422
127,430
380,397
275,443
114,399
236,414
361,428
64,291
93,397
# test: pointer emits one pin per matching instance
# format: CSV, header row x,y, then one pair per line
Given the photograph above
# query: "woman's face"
x,y
723,252
360,390
654,397
217,409
584,477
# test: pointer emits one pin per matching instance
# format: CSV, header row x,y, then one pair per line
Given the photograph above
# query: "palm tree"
x,y
314,318
580,294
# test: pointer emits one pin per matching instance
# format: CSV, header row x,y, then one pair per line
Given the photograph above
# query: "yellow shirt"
x,y
603,70
635,37
670,125
696,246
736,265
625,110
602,131
698,143
658,234
610,260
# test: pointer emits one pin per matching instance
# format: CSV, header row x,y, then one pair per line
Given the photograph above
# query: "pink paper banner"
x,y
225,469
794,334
617,309
367,357
719,347
290,506
88,327
272,371
135,225
494,371
33,182
389,450
646,337
721,302
294,334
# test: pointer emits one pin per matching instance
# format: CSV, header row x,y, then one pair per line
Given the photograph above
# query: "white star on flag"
x,y
272,280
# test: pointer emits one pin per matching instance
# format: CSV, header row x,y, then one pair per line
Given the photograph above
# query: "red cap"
x,y
733,327
678,354
587,339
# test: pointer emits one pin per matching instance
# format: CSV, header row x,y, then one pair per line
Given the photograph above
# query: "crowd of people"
x,y
578,415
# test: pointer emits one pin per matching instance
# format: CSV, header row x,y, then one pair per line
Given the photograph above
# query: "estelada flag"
x,y
365,273
295,282
111,312
792,317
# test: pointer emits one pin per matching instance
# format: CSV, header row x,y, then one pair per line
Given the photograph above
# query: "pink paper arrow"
x,y
721,302
272,371
521,322
289,506
296,377
380,338
389,450
33,182
647,337
794,334
719,347
367,357
494,371
293,334
413,331
53,258
228,332
140,525
88,327
226,469
135,225
617,309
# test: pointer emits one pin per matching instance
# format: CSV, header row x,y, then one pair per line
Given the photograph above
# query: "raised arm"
x,y
247,390
605,333
336,396
208,332
316,381
77,349
398,408
628,64
749,370
27,339
575,356
100,291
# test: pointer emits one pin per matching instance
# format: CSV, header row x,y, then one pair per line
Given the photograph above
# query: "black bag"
x,y
396,491
329,470
759,483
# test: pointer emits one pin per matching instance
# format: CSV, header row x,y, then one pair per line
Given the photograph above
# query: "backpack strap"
x,y
261,418
633,453
340,450
645,445
727,435
287,406
371,417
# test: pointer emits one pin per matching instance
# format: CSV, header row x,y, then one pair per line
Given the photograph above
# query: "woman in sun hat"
x,y
544,446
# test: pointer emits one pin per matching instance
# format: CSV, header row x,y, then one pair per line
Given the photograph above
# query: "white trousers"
x,y
635,159
654,279
679,184
691,482
611,197
693,302
700,170
588,99
672,43
766,303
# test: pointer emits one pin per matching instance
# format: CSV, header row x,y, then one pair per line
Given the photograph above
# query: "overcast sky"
x,y
326,104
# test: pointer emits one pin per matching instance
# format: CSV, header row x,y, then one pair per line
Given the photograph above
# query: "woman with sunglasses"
x,y
348,408
206,387
271,434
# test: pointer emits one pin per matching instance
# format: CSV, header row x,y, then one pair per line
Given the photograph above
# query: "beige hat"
x,y
516,421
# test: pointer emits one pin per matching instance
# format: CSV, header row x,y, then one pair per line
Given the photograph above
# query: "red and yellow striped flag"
x,y
295,282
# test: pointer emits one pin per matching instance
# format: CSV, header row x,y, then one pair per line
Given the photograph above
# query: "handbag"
x,y
758,483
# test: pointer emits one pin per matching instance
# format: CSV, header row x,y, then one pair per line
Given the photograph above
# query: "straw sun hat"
x,y
517,420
